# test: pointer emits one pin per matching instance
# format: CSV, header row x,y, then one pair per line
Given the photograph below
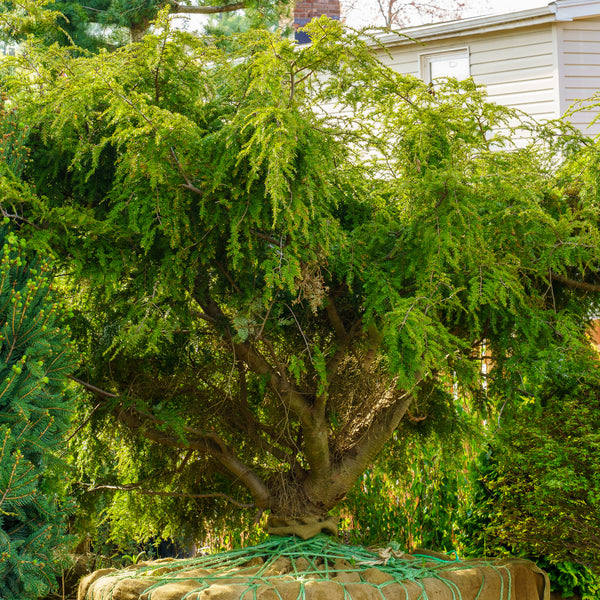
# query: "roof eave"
x,y
471,26
567,10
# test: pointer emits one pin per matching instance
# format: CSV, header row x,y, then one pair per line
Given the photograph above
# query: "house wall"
x,y
518,70
579,68
517,66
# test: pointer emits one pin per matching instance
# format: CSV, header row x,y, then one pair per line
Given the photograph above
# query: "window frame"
x,y
460,52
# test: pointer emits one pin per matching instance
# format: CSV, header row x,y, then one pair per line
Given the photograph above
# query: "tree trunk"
x,y
137,31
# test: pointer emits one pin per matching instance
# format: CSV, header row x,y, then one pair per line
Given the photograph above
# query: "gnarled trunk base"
x,y
303,527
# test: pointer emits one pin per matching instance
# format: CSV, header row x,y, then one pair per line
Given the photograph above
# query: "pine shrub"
x,y
35,409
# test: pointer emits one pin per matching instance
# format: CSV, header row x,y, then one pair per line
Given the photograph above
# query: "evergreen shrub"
x,y
538,492
35,409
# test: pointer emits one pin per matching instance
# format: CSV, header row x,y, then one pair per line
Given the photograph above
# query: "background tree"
x,y
221,27
403,13
543,492
397,13
112,23
265,284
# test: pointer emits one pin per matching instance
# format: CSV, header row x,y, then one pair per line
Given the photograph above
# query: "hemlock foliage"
x,y
277,254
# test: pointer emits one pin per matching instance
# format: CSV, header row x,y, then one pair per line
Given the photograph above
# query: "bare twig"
x,y
306,342
85,422
268,238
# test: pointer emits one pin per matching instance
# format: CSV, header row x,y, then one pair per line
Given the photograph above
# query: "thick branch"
x,y
250,426
580,285
334,362
258,364
334,319
314,427
343,339
374,345
316,443
206,443
206,10
355,461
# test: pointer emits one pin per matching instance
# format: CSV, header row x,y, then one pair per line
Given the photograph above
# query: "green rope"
x,y
318,558
437,559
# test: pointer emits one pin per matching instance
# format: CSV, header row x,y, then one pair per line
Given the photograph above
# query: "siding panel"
x,y
579,67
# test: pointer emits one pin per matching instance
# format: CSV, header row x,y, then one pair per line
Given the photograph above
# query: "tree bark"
x,y
206,10
137,31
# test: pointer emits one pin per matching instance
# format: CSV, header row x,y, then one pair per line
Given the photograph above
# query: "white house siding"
x,y
518,69
579,69
517,66
403,59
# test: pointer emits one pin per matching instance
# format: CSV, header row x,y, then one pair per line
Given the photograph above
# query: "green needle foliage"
x,y
90,25
35,413
539,488
275,254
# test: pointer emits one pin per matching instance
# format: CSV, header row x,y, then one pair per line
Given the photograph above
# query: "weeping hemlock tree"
x,y
280,255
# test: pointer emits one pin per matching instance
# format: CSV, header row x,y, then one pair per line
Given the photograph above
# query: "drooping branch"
x,y
344,339
246,422
316,443
207,443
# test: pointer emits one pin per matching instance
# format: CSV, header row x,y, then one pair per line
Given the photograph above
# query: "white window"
x,y
450,63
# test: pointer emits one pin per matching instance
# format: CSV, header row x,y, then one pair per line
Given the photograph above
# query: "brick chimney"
x,y
306,10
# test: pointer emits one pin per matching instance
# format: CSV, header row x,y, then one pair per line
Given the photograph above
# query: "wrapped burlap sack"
x,y
320,569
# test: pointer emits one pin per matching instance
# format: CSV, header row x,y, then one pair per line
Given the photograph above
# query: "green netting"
x,y
298,562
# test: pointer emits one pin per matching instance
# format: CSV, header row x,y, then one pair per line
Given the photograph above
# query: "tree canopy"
x,y
401,13
277,256
112,23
